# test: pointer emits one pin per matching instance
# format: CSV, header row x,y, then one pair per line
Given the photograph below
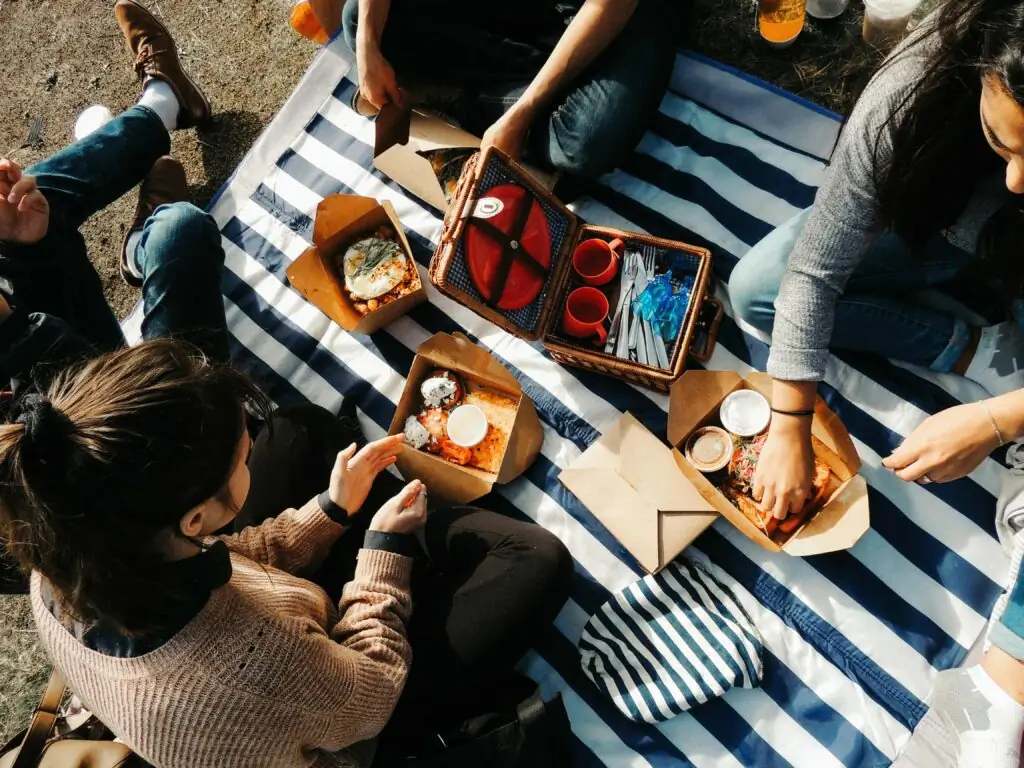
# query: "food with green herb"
x,y
377,271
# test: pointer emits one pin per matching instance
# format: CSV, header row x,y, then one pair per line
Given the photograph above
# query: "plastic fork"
x,y
619,325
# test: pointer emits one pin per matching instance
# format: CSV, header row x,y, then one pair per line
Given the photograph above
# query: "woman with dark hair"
x,y
289,642
924,191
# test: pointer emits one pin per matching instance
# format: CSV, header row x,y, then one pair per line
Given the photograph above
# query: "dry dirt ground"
x,y
59,56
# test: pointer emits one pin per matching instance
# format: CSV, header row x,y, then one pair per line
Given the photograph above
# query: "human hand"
x,y
24,210
405,513
378,83
354,473
946,446
785,469
507,134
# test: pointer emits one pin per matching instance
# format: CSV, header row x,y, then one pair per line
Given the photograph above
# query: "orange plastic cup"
x,y
304,22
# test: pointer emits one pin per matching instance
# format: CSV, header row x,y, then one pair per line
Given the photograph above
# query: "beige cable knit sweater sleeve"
x,y
361,668
295,540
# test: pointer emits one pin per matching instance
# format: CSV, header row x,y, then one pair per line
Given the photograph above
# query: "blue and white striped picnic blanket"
x,y
852,639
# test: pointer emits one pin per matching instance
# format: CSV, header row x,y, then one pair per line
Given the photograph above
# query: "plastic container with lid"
x,y
826,9
709,449
745,413
885,21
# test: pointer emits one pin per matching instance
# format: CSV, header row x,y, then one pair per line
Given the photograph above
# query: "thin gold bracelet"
x,y
992,420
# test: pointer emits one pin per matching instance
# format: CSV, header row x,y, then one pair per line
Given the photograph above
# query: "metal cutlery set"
x,y
631,337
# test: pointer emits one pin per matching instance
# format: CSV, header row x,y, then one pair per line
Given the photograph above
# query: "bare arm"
x,y
783,476
593,29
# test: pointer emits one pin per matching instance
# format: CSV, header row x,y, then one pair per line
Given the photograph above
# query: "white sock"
x,y
998,363
159,97
133,243
971,723
996,721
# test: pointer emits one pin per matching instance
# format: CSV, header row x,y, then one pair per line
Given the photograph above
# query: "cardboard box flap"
x,y
456,351
621,510
693,396
391,126
648,466
336,215
310,277
524,442
630,482
456,485
838,526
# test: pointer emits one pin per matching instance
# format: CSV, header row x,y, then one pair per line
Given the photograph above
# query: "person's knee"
x,y
585,143
547,564
187,233
349,24
752,296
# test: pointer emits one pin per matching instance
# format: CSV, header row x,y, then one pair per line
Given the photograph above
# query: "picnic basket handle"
x,y
41,726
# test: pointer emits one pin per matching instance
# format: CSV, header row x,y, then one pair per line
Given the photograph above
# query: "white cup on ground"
x,y
885,21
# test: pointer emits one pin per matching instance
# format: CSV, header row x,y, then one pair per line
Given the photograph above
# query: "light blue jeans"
x,y
881,310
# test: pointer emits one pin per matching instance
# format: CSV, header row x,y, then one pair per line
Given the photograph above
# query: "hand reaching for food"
x,y
24,210
354,473
784,473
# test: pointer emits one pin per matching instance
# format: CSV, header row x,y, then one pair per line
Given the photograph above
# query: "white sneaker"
x,y
998,363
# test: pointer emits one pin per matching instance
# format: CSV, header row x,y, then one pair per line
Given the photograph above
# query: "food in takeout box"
x,y
655,500
360,271
466,421
377,271
515,254
425,154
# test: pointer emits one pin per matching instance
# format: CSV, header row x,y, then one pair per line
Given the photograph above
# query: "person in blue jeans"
x,y
571,85
52,308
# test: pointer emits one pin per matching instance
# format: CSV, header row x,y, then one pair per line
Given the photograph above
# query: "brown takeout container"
x,y
562,348
340,221
656,503
451,482
400,137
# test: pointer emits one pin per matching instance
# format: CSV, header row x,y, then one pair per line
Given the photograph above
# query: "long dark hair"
x,y
105,462
938,149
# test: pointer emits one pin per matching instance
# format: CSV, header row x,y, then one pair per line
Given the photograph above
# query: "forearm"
x,y
328,13
793,396
593,29
373,15
1007,413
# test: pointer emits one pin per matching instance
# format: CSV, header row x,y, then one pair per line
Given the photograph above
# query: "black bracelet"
x,y
782,412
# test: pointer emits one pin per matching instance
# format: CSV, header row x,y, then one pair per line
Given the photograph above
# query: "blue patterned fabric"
x,y
669,642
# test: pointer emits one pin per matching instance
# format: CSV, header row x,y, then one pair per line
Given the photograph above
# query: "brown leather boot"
x,y
165,183
156,58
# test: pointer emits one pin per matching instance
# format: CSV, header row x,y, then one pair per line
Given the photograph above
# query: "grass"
x,y
248,60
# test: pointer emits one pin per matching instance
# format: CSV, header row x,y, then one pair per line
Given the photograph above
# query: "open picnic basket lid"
x,y
506,252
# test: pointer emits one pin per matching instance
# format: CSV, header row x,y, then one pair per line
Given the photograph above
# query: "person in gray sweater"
x,y
924,190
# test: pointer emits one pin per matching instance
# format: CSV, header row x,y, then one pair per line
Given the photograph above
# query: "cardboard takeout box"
x,y
445,480
656,503
401,135
340,221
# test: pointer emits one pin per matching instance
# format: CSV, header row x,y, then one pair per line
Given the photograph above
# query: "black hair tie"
x,y
46,427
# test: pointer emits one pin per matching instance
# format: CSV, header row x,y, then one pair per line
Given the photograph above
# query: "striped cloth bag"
x,y
669,642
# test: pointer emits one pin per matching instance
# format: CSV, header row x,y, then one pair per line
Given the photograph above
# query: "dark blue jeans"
x,y
60,313
880,310
599,119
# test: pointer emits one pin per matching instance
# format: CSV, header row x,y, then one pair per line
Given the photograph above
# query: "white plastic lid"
x,y
891,9
467,426
745,413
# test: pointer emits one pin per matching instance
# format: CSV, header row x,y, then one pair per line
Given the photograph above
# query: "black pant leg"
x,y
494,584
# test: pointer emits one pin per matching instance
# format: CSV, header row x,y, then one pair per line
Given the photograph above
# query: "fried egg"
x,y
373,267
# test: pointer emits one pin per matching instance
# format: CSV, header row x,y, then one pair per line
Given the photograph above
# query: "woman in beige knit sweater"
x,y
227,651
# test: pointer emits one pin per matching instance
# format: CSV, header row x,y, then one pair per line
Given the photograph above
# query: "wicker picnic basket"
x,y
541,319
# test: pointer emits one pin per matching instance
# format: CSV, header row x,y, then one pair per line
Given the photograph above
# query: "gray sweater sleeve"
x,y
841,226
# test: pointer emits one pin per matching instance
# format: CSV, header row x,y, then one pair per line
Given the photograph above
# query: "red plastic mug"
x,y
597,261
585,312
